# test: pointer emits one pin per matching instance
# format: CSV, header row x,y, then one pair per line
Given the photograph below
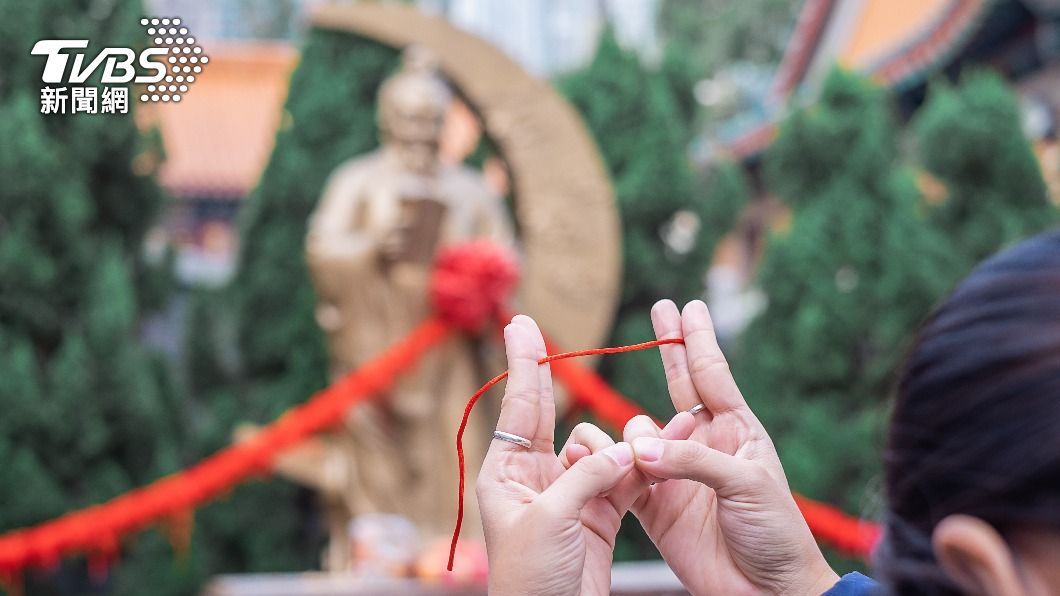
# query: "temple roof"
x,y
218,139
896,42
891,40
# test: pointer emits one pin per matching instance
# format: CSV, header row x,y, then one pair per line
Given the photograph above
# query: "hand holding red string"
x,y
725,521
548,529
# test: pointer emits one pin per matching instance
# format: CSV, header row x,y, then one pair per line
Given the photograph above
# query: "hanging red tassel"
x,y
12,582
103,558
178,527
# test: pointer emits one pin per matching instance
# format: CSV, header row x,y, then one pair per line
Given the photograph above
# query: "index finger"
x,y
521,405
666,320
706,362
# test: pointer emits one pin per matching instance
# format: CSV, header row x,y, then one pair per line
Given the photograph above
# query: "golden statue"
x,y
370,247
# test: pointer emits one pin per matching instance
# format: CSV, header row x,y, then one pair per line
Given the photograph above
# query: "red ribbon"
x,y
98,529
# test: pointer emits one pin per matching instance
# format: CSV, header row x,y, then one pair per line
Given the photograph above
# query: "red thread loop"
x,y
497,379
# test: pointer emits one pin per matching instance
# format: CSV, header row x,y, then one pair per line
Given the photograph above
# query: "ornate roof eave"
x,y
900,69
934,47
812,22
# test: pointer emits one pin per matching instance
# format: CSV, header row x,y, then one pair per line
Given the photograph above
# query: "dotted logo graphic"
x,y
185,60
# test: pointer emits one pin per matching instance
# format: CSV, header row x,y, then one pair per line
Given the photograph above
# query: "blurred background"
x,y
820,171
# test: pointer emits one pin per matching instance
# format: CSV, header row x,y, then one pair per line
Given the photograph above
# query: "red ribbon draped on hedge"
x,y
469,285
97,530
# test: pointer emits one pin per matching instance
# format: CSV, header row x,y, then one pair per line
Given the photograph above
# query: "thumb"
x,y
589,477
691,460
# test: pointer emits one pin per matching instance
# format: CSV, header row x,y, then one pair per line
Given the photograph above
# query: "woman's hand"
x,y
726,522
548,530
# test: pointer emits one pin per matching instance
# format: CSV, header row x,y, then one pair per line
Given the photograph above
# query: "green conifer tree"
x,y
328,119
85,409
970,136
641,133
847,284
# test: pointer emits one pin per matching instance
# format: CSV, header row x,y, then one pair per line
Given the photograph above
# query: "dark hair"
x,y
976,422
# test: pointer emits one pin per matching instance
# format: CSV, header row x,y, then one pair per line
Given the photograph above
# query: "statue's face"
x,y
414,132
418,155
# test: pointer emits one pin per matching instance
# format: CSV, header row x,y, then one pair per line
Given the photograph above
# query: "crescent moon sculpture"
x,y
564,203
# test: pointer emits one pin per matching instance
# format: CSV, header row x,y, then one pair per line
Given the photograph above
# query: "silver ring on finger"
x,y
510,438
696,409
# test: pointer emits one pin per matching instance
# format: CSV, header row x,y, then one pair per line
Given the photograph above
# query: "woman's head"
x,y
973,454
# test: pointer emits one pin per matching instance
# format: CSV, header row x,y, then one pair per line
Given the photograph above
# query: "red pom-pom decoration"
x,y
472,282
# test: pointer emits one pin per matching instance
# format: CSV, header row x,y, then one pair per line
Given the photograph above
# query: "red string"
x,y
497,379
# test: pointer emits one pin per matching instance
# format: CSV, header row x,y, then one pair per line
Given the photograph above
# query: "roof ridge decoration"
x,y
809,28
902,66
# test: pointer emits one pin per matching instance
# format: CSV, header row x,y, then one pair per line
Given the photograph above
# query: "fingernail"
x,y
674,421
575,450
662,304
697,312
620,453
511,341
648,449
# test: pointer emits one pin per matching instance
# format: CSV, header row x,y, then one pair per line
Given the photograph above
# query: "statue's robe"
x,y
397,453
